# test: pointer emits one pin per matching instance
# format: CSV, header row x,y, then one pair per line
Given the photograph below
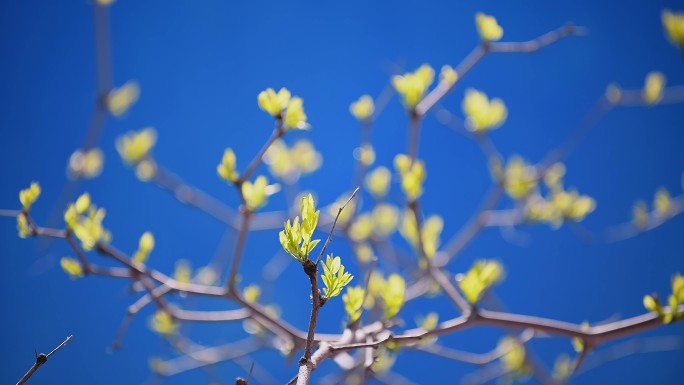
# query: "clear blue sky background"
x,y
200,66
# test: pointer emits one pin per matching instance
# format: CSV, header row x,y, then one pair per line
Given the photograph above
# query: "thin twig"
x,y
468,232
42,359
133,310
601,107
9,213
207,356
339,211
237,254
414,136
643,345
538,43
436,95
278,132
481,50
654,220
194,197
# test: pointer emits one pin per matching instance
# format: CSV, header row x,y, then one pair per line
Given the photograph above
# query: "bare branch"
x,y
42,359
339,211
278,133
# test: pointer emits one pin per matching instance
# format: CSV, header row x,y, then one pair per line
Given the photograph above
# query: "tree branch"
x,y
42,359
480,51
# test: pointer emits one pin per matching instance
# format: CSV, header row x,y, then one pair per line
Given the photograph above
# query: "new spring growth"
x,y
430,235
428,322
654,87
295,238
251,293
72,267
558,205
553,177
385,220
146,170
133,147
272,102
412,174
570,205
364,252
226,169
275,103
85,220
488,28
163,323
183,271
563,368
85,163
376,286
393,295
640,215
256,194
363,108
29,196
378,182
23,226
289,163
365,154
481,113
577,343
381,223
513,357
448,75
295,116
652,303
520,178
662,203
353,302
362,227
479,278
145,247
119,100
334,277
412,86
662,209
673,23
384,359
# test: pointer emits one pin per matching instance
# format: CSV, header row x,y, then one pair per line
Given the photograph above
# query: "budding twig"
x,y
311,269
42,359
481,50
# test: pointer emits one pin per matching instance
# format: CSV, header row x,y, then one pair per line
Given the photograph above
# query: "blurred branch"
x,y
203,356
628,348
482,50
470,230
628,230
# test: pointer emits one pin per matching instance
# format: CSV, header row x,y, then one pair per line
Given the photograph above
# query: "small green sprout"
x,y
394,295
296,238
353,302
479,278
334,277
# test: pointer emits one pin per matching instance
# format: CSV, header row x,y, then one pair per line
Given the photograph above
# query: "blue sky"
x,y
200,66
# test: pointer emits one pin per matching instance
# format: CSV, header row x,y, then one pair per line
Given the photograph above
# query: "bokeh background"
x,y
200,66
